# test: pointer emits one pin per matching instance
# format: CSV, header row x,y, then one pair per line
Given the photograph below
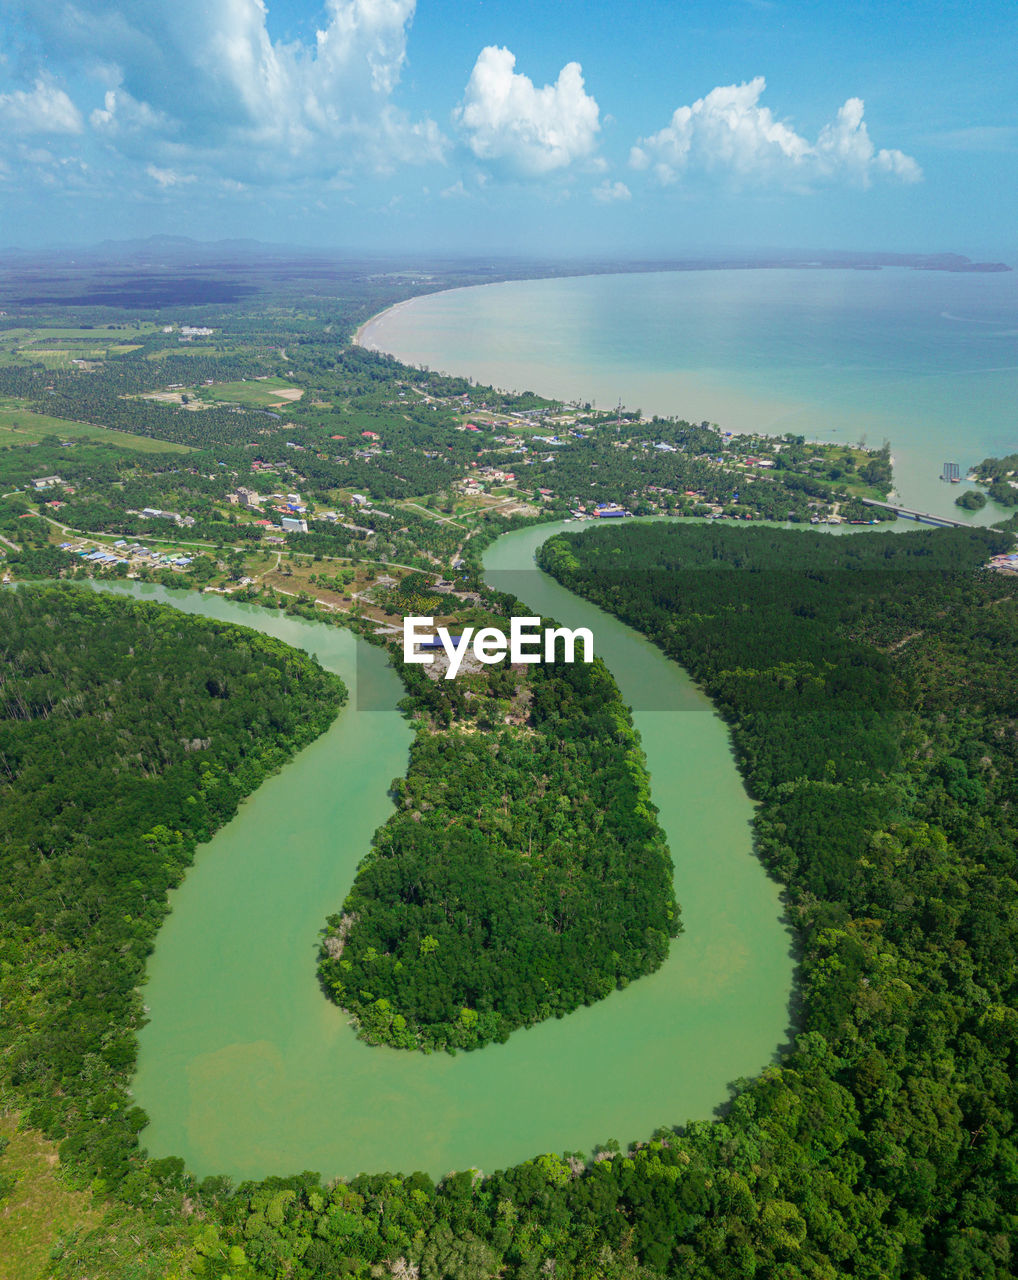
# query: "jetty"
x,y
921,517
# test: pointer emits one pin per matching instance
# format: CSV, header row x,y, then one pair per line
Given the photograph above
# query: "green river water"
x,y
245,1067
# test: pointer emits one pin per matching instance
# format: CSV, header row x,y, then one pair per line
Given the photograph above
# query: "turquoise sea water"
x,y
926,360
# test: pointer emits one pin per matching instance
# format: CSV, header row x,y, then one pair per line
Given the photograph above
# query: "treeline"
x,y
867,681
37,561
99,515
84,462
884,1144
999,474
128,734
104,404
26,549
524,873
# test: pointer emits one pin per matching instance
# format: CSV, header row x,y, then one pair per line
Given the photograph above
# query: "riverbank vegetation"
x,y
999,475
869,686
128,734
523,874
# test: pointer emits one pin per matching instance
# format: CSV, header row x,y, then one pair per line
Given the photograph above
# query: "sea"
x,y
925,360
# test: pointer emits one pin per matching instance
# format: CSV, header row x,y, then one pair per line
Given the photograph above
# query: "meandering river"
x,y
245,1067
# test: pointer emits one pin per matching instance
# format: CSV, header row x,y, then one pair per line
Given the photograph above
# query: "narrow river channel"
x,y
245,1068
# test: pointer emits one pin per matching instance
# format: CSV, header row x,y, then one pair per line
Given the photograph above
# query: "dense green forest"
x,y
868,682
128,734
869,686
523,874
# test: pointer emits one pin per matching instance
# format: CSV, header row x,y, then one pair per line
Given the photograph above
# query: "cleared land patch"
x,y
58,348
39,1209
260,393
24,426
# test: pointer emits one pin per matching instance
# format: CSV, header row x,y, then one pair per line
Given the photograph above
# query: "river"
x,y
245,1068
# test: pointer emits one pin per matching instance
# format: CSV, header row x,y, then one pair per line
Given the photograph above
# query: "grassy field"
x,y
40,1210
206,347
43,1221
57,348
854,488
254,394
51,336
23,426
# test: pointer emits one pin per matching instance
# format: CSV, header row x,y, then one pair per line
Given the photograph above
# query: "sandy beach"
x,y
364,335
844,357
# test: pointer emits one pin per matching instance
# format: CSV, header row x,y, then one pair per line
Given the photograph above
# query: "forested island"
x,y
524,873
999,475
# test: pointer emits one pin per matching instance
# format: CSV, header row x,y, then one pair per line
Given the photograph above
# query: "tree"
x,y
450,1257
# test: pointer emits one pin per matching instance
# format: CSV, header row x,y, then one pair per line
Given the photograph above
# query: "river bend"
x,y
245,1068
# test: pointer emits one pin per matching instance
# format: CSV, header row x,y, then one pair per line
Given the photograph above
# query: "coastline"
x,y
358,339
733,395
360,336
779,412
730,403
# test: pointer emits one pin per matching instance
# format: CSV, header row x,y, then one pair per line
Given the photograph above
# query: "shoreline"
x,y
361,338
702,395
359,335
357,338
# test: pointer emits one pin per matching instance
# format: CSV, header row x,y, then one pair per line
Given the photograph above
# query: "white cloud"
x,y
203,82
120,113
168,177
43,109
845,147
40,168
612,192
729,131
510,123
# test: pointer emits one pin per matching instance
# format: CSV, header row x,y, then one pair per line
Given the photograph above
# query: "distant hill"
x,y
162,250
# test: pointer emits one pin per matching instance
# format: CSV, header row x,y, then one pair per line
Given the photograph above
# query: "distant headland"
x,y
162,250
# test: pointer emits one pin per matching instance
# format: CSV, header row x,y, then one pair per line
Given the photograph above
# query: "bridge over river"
x,y
921,517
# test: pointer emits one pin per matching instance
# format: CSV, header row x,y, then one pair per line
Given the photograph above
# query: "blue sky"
x,y
491,126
